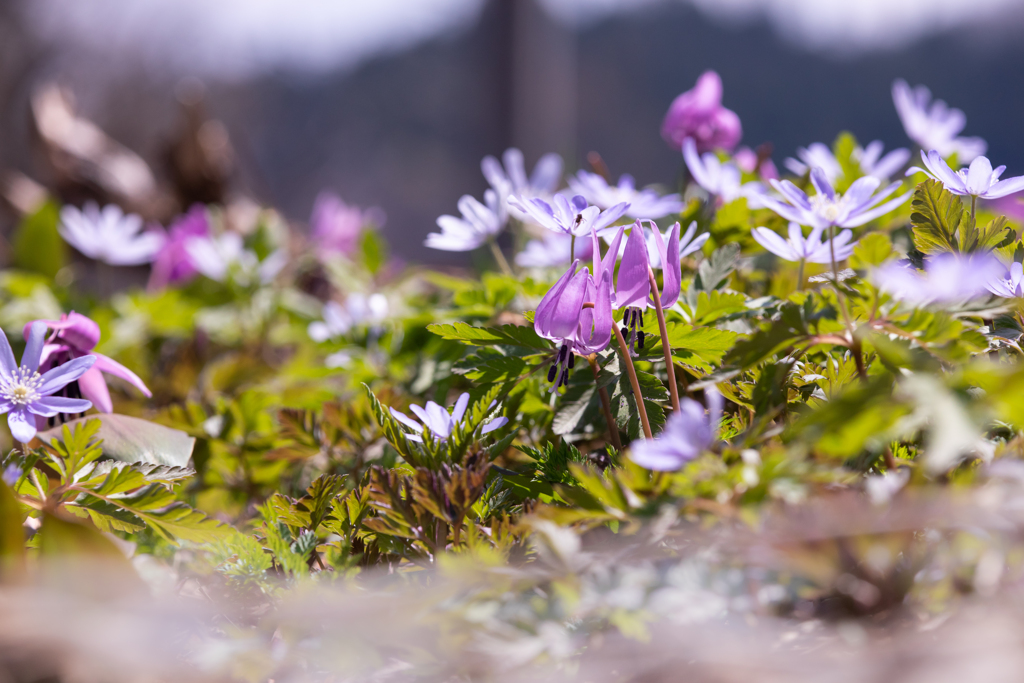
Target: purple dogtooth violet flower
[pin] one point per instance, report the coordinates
(633, 286)
(479, 223)
(75, 336)
(978, 180)
(643, 204)
(109, 235)
(688, 432)
(173, 264)
(947, 279)
(335, 226)
(935, 127)
(870, 160)
(811, 249)
(25, 394)
(1010, 285)
(720, 179)
(568, 216)
(576, 313)
(859, 205)
(439, 421)
(699, 114)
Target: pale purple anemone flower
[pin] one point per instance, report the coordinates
(226, 257)
(75, 336)
(568, 216)
(172, 264)
(870, 160)
(720, 179)
(335, 226)
(340, 319)
(978, 180)
(511, 179)
(576, 313)
(109, 235)
(935, 127)
(643, 204)
(25, 393)
(688, 433)
(810, 249)
(633, 285)
(1011, 286)
(552, 250)
(829, 208)
(479, 224)
(439, 421)
(699, 114)
(947, 278)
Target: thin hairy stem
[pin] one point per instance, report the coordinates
(572, 248)
(800, 276)
(634, 382)
(500, 258)
(665, 346)
(606, 405)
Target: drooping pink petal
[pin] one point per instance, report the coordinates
(112, 367)
(94, 388)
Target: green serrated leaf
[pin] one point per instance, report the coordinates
(514, 335)
(936, 216)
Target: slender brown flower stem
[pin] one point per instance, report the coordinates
(800, 277)
(634, 382)
(500, 258)
(665, 346)
(974, 205)
(606, 405)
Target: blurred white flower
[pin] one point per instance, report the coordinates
(225, 255)
(339, 319)
(109, 235)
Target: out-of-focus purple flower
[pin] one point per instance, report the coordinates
(479, 223)
(858, 206)
(339, 319)
(978, 180)
(576, 313)
(25, 393)
(172, 264)
(1010, 206)
(699, 114)
(688, 432)
(1011, 285)
(225, 256)
(719, 179)
(870, 160)
(750, 161)
(439, 421)
(109, 235)
(873, 163)
(633, 285)
(12, 473)
(812, 249)
(643, 204)
(336, 226)
(947, 278)
(815, 155)
(510, 178)
(552, 250)
(568, 216)
(935, 127)
(75, 336)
